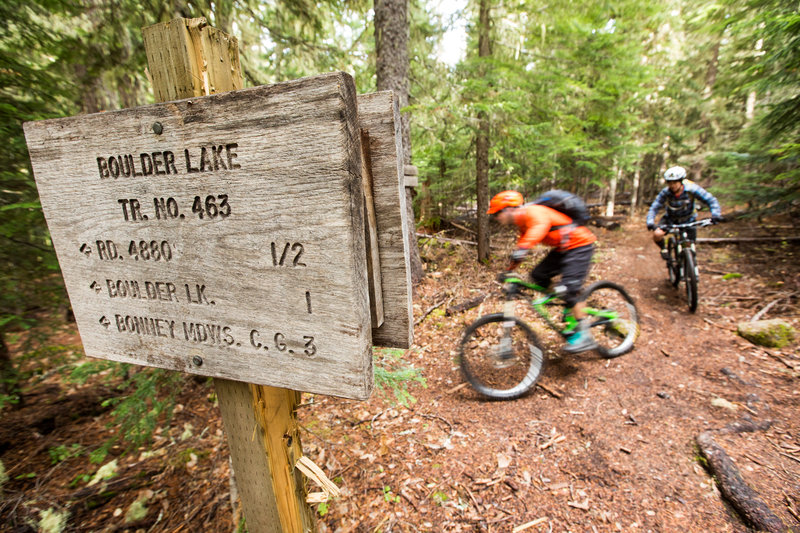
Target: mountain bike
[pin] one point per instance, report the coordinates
(501, 354)
(681, 257)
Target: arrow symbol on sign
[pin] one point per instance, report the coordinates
(85, 248)
(95, 286)
(104, 321)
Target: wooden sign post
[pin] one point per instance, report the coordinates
(228, 236)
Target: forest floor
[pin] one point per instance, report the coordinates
(603, 445)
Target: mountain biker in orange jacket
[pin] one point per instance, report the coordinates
(571, 255)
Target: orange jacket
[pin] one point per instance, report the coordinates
(535, 223)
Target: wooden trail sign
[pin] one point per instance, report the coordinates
(220, 235)
(379, 117)
(258, 196)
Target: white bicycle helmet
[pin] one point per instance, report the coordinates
(675, 174)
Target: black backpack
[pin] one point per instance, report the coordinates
(570, 204)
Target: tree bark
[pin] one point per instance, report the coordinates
(635, 193)
(391, 66)
(612, 190)
(482, 143)
(706, 128)
(744, 499)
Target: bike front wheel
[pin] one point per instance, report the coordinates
(673, 263)
(501, 357)
(613, 319)
(690, 277)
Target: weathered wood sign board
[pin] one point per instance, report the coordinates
(222, 235)
(379, 116)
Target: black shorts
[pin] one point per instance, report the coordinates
(573, 265)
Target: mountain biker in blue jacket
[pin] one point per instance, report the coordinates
(677, 199)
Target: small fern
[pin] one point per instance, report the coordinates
(136, 415)
(392, 374)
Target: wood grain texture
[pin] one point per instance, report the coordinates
(246, 440)
(284, 162)
(187, 57)
(273, 493)
(258, 421)
(379, 116)
(371, 237)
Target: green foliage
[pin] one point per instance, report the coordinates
(3, 476)
(63, 452)
(135, 416)
(759, 164)
(389, 497)
(8, 399)
(109, 370)
(440, 497)
(562, 91)
(392, 373)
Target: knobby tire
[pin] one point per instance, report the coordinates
(673, 263)
(690, 277)
(613, 318)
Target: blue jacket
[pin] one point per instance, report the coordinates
(680, 209)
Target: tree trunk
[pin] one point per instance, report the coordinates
(482, 144)
(391, 65)
(635, 193)
(612, 190)
(750, 106)
(706, 129)
(664, 160)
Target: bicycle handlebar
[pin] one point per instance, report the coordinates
(695, 224)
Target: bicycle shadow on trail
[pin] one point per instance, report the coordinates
(665, 294)
(563, 366)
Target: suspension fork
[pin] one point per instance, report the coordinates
(509, 310)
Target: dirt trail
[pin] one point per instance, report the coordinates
(609, 448)
(615, 452)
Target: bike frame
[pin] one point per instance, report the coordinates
(682, 258)
(681, 236)
(512, 290)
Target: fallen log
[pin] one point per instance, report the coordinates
(454, 241)
(469, 304)
(744, 500)
(431, 309)
(735, 240)
(609, 223)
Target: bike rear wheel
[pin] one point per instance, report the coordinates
(613, 318)
(501, 357)
(690, 277)
(673, 263)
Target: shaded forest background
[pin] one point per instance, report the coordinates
(591, 96)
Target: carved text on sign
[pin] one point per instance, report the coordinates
(231, 234)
